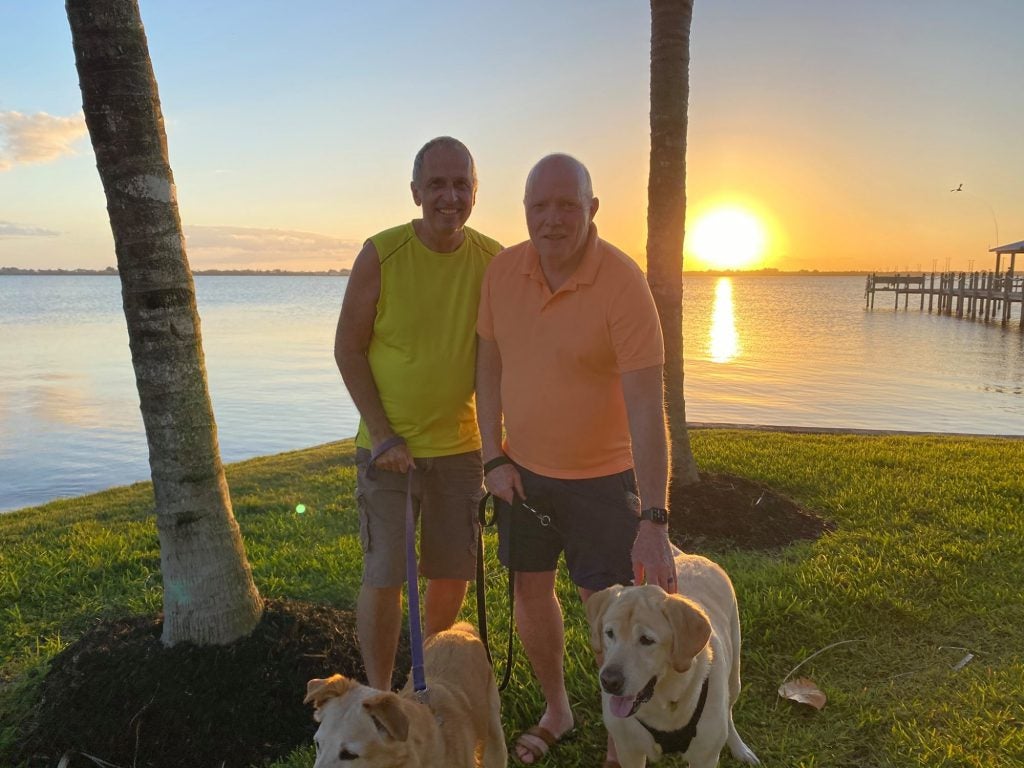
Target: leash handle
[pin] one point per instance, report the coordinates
(481, 591)
(380, 450)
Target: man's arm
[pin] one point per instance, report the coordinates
(351, 343)
(502, 481)
(645, 407)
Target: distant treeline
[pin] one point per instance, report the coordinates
(768, 272)
(771, 271)
(223, 272)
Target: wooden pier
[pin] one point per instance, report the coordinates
(990, 296)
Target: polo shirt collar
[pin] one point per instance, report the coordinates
(586, 270)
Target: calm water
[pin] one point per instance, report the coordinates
(793, 351)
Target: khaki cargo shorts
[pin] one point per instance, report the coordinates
(446, 491)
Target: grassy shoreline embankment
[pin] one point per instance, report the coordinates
(925, 567)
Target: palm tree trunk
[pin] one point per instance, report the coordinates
(666, 208)
(209, 593)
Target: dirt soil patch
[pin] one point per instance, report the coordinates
(727, 511)
(119, 695)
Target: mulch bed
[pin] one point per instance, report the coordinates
(119, 695)
(727, 511)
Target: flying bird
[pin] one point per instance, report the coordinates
(960, 188)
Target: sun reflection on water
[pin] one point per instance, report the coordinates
(724, 342)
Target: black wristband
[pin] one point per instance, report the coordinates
(656, 515)
(496, 462)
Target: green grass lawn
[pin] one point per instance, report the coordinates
(927, 565)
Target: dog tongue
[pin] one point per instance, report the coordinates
(621, 706)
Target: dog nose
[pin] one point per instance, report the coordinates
(612, 680)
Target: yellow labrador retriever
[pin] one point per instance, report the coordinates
(671, 666)
(458, 727)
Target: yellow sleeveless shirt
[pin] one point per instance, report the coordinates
(423, 349)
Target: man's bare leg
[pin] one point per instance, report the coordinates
(542, 632)
(443, 601)
(378, 621)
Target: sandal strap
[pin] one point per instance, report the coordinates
(538, 733)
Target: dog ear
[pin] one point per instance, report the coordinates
(595, 607)
(691, 630)
(318, 691)
(388, 716)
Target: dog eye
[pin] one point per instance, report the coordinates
(609, 633)
(645, 640)
(346, 755)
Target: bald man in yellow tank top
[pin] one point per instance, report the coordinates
(406, 347)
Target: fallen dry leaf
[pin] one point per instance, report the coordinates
(963, 662)
(804, 691)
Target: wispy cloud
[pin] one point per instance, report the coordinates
(246, 247)
(12, 229)
(38, 138)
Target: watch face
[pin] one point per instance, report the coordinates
(655, 515)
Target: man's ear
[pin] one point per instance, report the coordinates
(594, 205)
(691, 630)
(595, 607)
(415, 193)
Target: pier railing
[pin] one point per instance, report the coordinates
(988, 296)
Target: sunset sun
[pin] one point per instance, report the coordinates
(728, 237)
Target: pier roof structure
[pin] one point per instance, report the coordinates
(1012, 249)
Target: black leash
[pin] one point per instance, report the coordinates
(481, 607)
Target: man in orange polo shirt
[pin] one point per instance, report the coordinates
(569, 359)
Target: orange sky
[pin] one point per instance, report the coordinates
(842, 127)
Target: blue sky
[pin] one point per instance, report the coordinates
(292, 126)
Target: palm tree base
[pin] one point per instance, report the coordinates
(119, 694)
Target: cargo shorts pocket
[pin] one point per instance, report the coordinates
(364, 521)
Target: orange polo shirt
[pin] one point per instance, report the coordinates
(563, 354)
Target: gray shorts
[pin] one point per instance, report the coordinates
(446, 491)
(594, 521)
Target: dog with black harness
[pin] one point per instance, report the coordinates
(671, 666)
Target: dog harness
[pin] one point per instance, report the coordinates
(679, 740)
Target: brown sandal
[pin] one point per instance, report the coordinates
(537, 733)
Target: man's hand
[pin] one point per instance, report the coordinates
(652, 557)
(503, 482)
(395, 459)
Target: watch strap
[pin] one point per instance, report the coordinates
(496, 462)
(655, 515)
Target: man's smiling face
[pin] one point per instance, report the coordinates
(558, 210)
(446, 189)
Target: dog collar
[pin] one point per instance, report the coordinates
(679, 740)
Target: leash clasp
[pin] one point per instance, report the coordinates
(543, 519)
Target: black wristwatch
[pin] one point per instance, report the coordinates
(655, 515)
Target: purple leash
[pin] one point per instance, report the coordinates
(419, 682)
